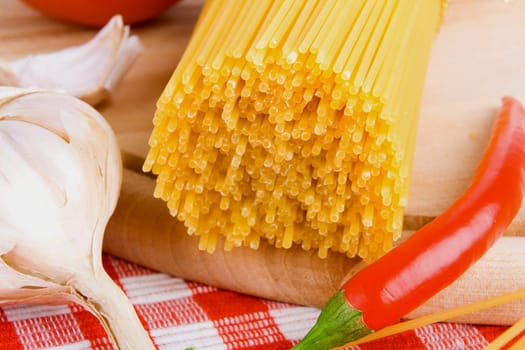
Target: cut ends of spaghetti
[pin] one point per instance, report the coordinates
(294, 122)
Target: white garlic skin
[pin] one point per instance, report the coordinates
(60, 178)
(60, 175)
(90, 71)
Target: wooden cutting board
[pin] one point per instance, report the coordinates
(478, 56)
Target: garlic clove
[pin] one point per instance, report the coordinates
(90, 71)
(17, 287)
(60, 175)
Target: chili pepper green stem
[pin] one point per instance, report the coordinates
(338, 324)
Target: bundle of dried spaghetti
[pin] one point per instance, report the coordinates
(294, 122)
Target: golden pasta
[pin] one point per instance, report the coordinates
(295, 122)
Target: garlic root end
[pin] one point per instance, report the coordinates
(104, 298)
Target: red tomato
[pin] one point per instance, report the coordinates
(96, 13)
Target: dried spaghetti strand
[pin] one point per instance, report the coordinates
(507, 336)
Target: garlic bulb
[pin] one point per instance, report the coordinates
(60, 176)
(90, 71)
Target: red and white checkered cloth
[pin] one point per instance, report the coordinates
(187, 315)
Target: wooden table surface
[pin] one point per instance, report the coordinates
(478, 56)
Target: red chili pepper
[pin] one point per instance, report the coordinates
(436, 255)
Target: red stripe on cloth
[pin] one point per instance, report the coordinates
(491, 332)
(231, 304)
(514, 340)
(90, 327)
(9, 337)
(451, 336)
(171, 313)
(401, 341)
(243, 322)
(49, 331)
